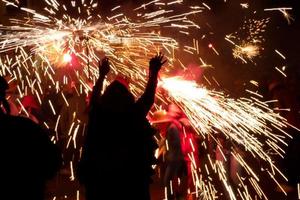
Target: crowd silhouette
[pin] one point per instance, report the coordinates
(28, 157)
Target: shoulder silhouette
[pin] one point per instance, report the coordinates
(28, 156)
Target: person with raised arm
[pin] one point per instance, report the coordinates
(118, 152)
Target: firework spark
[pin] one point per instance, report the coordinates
(245, 122)
(247, 51)
(284, 11)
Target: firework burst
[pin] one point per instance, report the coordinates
(248, 40)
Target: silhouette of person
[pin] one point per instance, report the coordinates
(181, 150)
(28, 157)
(118, 153)
(5, 108)
(13, 95)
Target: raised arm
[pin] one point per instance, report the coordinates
(104, 68)
(146, 101)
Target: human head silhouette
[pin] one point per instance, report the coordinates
(123, 80)
(3, 87)
(117, 97)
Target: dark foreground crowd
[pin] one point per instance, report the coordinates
(118, 152)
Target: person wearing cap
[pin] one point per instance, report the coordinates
(118, 152)
(177, 135)
(170, 129)
(28, 157)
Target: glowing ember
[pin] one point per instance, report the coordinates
(67, 58)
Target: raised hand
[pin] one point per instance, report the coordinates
(104, 67)
(156, 63)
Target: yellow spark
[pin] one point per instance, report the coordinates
(65, 100)
(72, 177)
(281, 71)
(280, 54)
(46, 125)
(284, 12)
(206, 6)
(77, 195)
(51, 106)
(71, 128)
(57, 122)
(244, 5)
(22, 108)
